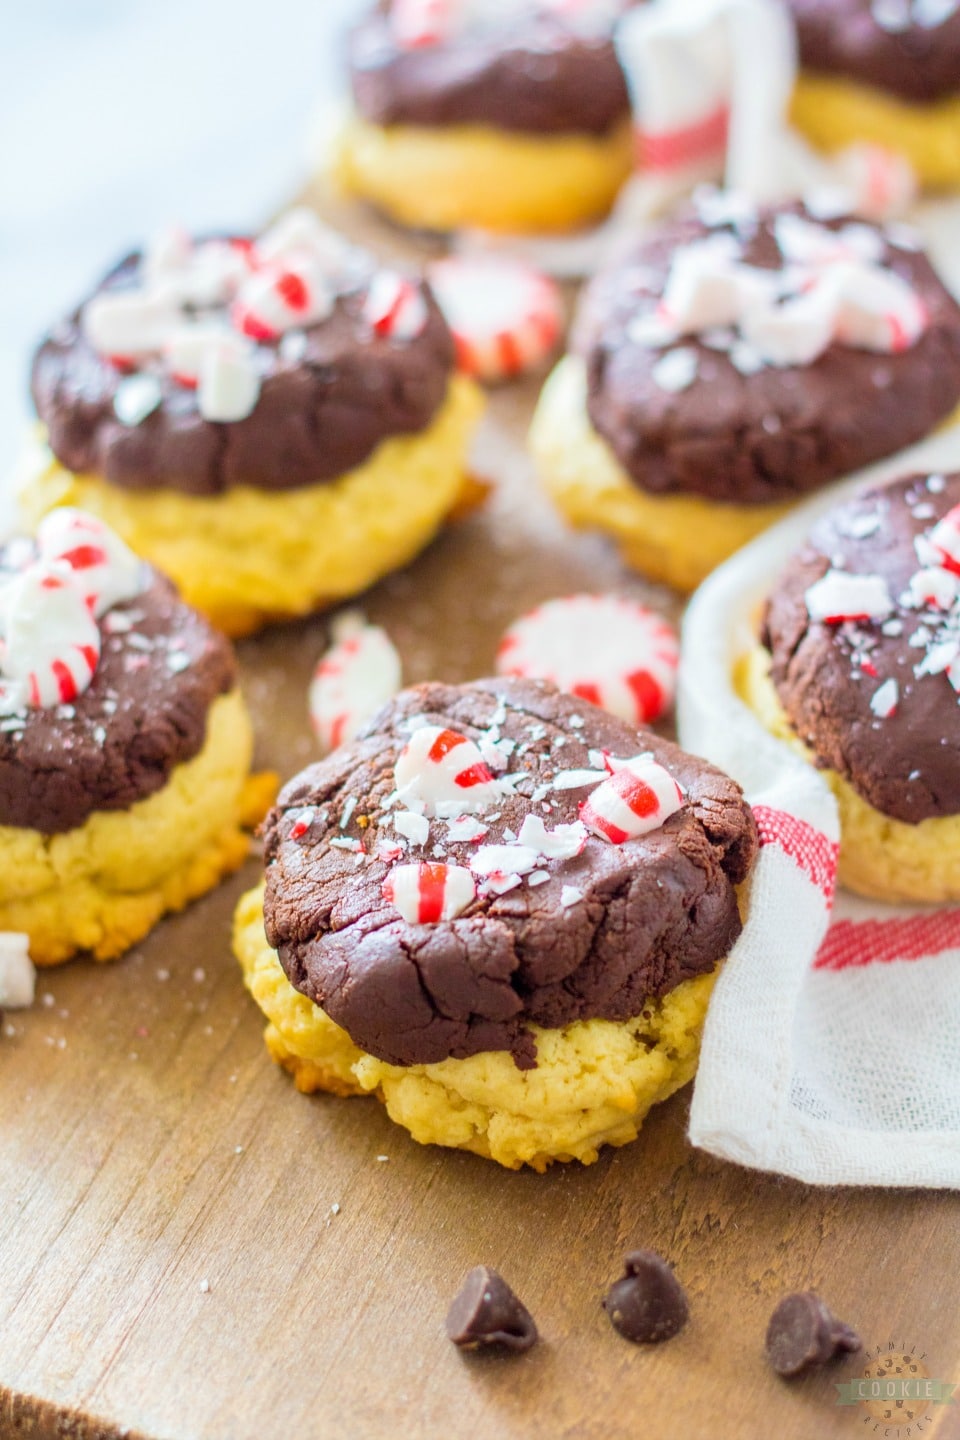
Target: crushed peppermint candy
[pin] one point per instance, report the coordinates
(839, 596)
(197, 314)
(425, 894)
(638, 797)
(607, 649)
(438, 765)
(359, 673)
(885, 699)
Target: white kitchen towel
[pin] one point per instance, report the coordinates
(832, 1046)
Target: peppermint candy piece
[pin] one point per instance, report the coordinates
(358, 674)
(885, 699)
(883, 183)
(18, 978)
(839, 596)
(417, 24)
(945, 540)
(425, 894)
(281, 296)
(128, 325)
(51, 641)
(438, 766)
(506, 317)
(228, 385)
(876, 309)
(637, 798)
(105, 569)
(608, 650)
(301, 232)
(933, 588)
(395, 308)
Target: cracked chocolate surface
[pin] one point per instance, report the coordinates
(908, 765)
(318, 415)
(769, 436)
(655, 911)
(842, 37)
(532, 75)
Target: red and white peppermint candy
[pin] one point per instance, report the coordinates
(281, 296)
(439, 766)
(51, 642)
(419, 23)
(637, 798)
(883, 182)
(804, 242)
(228, 382)
(425, 894)
(875, 309)
(707, 287)
(839, 596)
(105, 569)
(933, 588)
(506, 317)
(606, 649)
(945, 540)
(357, 675)
(395, 308)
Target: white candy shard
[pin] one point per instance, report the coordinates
(357, 675)
(637, 798)
(440, 765)
(414, 827)
(18, 977)
(676, 370)
(839, 596)
(933, 588)
(300, 231)
(129, 324)
(425, 894)
(510, 859)
(229, 386)
(136, 397)
(563, 842)
(607, 649)
(885, 699)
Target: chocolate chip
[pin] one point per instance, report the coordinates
(802, 1333)
(648, 1304)
(485, 1311)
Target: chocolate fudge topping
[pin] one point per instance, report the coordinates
(532, 74)
(774, 434)
(647, 1304)
(485, 1312)
(803, 1334)
(908, 764)
(650, 913)
(319, 413)
(848, 37)
(161, 667)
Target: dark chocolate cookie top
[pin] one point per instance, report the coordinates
(910, 48)
(588, 929)
(532, 68)
(721, 410)
(876, 698)
(277, 364)
(159, 670)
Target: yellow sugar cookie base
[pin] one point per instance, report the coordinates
(474, 176)
(593, 1085)
(101, 887)
(834, 112)
(884, 858)
(249, 556)
(676, 539)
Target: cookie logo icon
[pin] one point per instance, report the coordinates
(897, 1390)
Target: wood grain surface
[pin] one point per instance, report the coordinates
(190, 1250)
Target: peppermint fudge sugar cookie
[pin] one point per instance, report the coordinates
(734, 361)
(885, 71)
(125, 745)
(504, 115)
(275, 424)
(859, 669)
(501, 910)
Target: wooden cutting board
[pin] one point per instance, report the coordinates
(190, 1250)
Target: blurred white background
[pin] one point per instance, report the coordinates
(118, 117)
